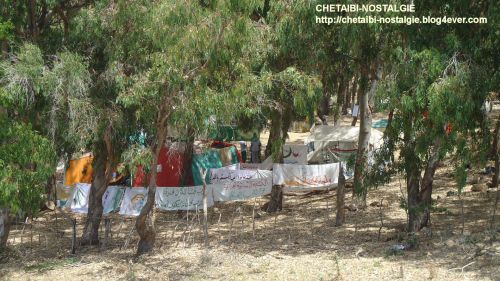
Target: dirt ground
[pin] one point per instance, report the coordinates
(299, 243)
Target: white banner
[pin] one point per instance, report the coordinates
(244, 189)
(80, 200)
(295, 154)
(133, 201)
(223, 175)
(182, 198)
(112, 198)
(306, 177)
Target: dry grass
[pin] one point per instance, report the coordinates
(300, 243)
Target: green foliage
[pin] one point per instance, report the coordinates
(53, 95)
(26, 162)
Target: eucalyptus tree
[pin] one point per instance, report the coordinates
(29, 84)
(181, 62)
(290, 85)
(437, 81)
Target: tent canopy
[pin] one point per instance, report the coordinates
(342, 140)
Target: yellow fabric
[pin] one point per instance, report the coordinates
(225, 156)
(79, 171)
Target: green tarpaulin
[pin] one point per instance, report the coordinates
(207, 160)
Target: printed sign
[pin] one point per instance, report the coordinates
(133, 201)
(182, 198)
(306, 177)
(295, 154)
(224, 175)
(244, 189)
(112, 198)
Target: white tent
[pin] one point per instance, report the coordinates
(337, 143)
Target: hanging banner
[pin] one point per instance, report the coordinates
(266, 165)
(133, 201)
(112, 198)
(244, 189)
(64, 195)
(295, 154)
(80, 200)
(223, 175)
(182, 198)
(306, 177)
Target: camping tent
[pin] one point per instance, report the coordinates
(337, 143)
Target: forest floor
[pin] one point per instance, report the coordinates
(299, 243)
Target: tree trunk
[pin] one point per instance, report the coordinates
(274, 132)
(365, 127)
(50, 191)
(145, 223)
(354, 97)
(347, 99)
(324, 104)
(363, 142)
(33, 22)
(281, 123)
(4, 227)
(425, 196)
(340, 100)
(494, 153)
(102, 175)
(340, 218)
(90, 234)
(188, 156)
(412, 187)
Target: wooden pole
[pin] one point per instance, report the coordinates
(203, 173)
(340, 218)
(73, 240)
(253, 218)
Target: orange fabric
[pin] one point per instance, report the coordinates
(79, 171)
(449, 129)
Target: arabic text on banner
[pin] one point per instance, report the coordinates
(133, 201)
(223, 175)
(244, 189)
(306, 177)
(182, 198)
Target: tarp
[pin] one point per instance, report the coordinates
(80, 200)
(266, 165)
(79, 171)
(382, 123)
(306, 177)
(337, 143)
(170, 163)
(64, 194)
(133, 201)
(207, 161)
(182, 198)
(110, 200)
(228, 155)
(295, 154)
(243, 189)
